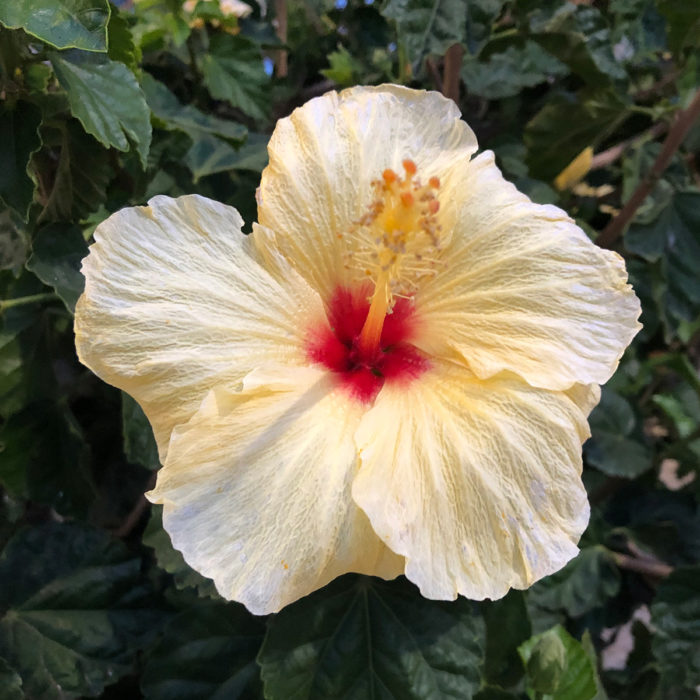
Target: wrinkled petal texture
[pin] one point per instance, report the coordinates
(324, 156)
(176, 303)
(275, 480)
(256, 491)
(523, 289)
(477, 483)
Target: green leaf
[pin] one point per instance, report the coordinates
(507, 73)
(366, 638)
(209, 155)
(37, 76)
(27, 371)
(343, 68)
(187, 118)
(580, 38)
(616, 446)
(19, 126)
(566, 125)
(121, 42)
(682, 23)
(683, 408)
(78, 608)
(587, 644)
(206, 653)
(673, 238)
(490, 692)
(585, 583)
(65, 24)
(80, 183)
(10, 682)
(555, 660)
(14, 241)
(45, 458)
(233, 71)
(139, 444)
(546, 663)
(507, 626)
(639, 30)
(427, 27)
(57, 251)
(481, 15)
(675, 617)
(172, 561)
(106, 98)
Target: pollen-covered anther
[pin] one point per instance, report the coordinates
(395, 243)
(398, 237)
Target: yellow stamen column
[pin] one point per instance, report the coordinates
(372, 329)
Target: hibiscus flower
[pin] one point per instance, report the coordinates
(390, 375)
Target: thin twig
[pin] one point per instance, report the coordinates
(650, 567)
(610, 155)
(451, 72)
(281, 20)
(434, 72)
(134, 516)
(680, 128)
(31, 299)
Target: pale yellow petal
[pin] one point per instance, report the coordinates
(256, 491)
(176, 302)
(476, 483)
(585, 396)
(324, 156)
(521, 288)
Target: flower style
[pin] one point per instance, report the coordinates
(390, 375)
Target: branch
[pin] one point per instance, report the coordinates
(134, 516)
(32, 299)
(451, 72)
(684, 121)
(281, 19)
(609, 156)
(434, 73)
(649, 567)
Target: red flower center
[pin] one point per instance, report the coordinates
(361, 371)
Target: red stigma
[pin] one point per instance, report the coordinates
(362, 374)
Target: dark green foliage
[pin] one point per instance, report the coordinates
(427, 27)
(233, 71)
(617, 445)
(44, 458)
(65, 24)
(57, 251)
(170, 560)
(102, 107)
(566, 125)
(105, 97)
(672, 240)
(73, 624)
(206, 652)
(586, 582)
(139, 443)
(20, 128)
(360, 638)
(676, 617)
(507, 626)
